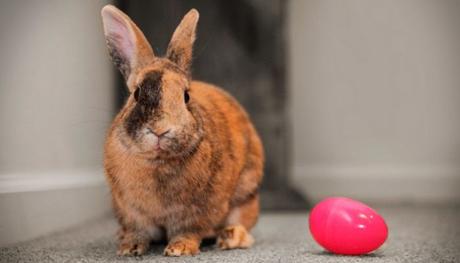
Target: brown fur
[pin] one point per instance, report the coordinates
(199, 182)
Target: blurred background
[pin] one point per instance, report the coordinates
(352, 98)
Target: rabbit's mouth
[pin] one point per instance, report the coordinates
(156, 146)
(162, 145)
(168, 147)
(156, 142)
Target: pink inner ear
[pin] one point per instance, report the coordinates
(118, 33)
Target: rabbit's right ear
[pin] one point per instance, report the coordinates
(127, 44)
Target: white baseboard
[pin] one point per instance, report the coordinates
(382, 185)
(36, 204)
(49, 180)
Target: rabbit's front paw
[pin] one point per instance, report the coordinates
(182, 247)
(235, 237)
(132, 248)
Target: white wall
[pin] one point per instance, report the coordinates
(55, 100)
(55, 105)
(375, 91)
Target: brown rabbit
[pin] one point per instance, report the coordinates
(182, 158)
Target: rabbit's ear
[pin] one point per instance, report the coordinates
(127, 44)
(181, 44)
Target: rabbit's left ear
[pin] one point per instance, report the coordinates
(181, 45)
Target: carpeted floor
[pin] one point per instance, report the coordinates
(417, 234)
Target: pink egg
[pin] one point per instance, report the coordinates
(348, 227)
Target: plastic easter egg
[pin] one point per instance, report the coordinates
(347, 227)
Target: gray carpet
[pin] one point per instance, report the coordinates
(417, 234)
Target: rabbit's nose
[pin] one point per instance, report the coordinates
(159, 132)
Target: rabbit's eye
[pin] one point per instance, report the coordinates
(136, 94)
(186, 97)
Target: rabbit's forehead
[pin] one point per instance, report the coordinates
(172, 79)
(167, 72)
(159, 79)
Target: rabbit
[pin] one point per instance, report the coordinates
(182, 158)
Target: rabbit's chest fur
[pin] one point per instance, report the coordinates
(172, 194)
